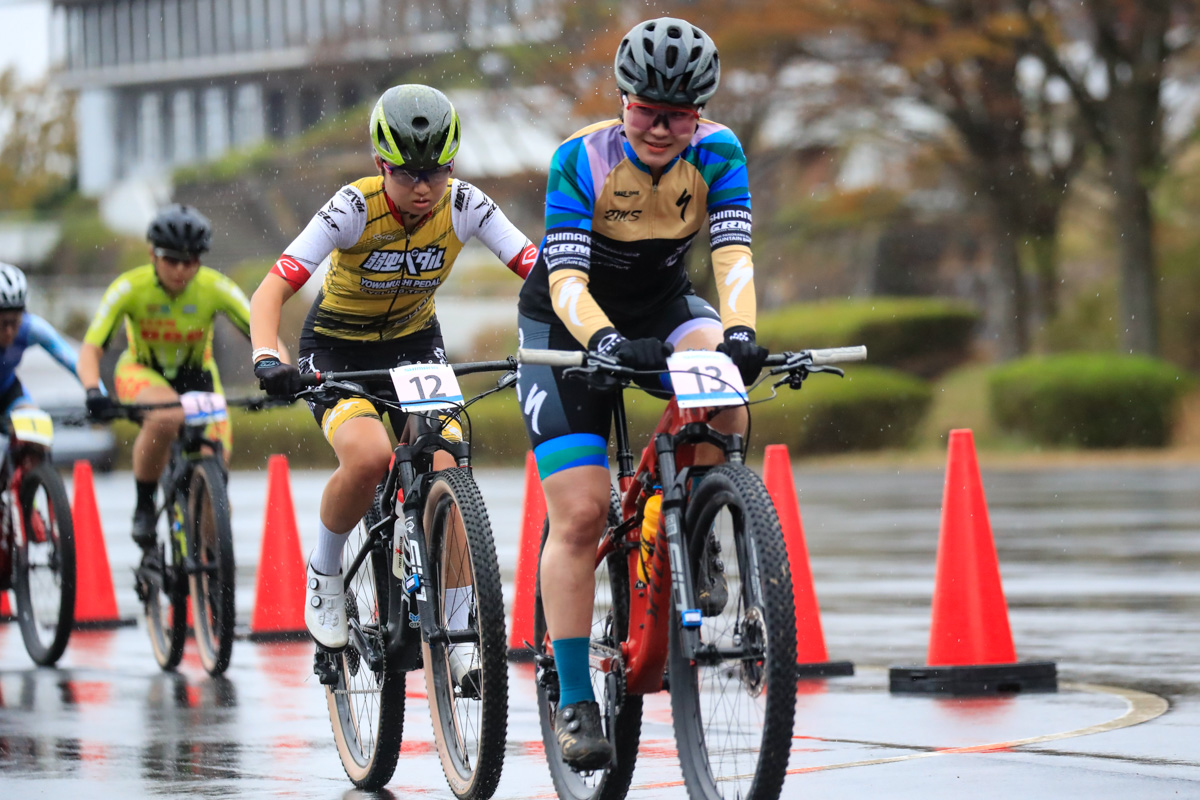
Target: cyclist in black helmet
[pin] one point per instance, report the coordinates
(624, 200)
(169, 307)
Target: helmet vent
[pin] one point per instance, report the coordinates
(420, 123)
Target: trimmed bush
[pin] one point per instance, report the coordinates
(1089, 399)
(925, 336)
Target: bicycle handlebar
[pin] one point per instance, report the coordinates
(465, 368)
(821, 357)
(577, 358)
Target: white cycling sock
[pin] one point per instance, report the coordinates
(327, 557)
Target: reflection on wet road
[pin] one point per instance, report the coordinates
(1101, 570)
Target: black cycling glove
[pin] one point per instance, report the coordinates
(99, 405)
(276, 378)
(746, 355)
(637, 354)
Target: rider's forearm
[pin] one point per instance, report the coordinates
(575, 306)
(88, 366)
(734, 270)
(266, 307)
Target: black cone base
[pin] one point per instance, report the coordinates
(982, 679)
(825, 669)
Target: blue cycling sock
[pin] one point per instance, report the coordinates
(574, 675)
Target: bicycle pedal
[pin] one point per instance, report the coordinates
(325, 667)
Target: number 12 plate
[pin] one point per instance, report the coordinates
(704, 378)
(424, 387)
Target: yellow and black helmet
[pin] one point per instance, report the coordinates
(415, 126)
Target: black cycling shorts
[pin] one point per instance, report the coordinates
(326, 354)
(568, 422)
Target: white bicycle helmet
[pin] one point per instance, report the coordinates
(13, 288)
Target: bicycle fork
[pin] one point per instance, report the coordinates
(683, 590)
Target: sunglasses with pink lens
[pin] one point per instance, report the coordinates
(411, 177)
(643, 117)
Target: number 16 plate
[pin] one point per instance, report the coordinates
(424, 387)
(703, 378)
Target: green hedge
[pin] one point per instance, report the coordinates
(1089, 399)
(924, 336)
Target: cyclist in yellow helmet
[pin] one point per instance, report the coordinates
(391, 239)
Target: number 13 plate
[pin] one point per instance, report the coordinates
(424, 387)
(704, 378)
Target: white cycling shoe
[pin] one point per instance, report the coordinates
(325, 609)
(464, 670)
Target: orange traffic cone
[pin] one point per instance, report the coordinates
(533, 518)
(812, 659)
(95, 598)
(970, 643)
(279, 595)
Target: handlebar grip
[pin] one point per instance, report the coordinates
(835, 355)
(552, 358)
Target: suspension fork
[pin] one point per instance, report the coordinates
(683, 590)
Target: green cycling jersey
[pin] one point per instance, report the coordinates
(168, 333)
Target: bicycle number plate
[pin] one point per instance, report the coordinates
(203, 408)
(32, 425)
(422, 387)
(703, 378)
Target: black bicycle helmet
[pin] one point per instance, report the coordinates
(180, 231)
(668, 60)
(13, 288)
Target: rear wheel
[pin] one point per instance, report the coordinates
(162, 585)
(734, 705)
(366, 707)
(470, 716)
(211, 566)
(621, 713)
(44, 567)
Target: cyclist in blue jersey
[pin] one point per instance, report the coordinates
(624, 201)
(20, 330)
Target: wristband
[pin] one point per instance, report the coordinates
(265, 351)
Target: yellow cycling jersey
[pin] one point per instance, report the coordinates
(168, 333)
(381, 277)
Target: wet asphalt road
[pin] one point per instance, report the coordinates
(1101, 569)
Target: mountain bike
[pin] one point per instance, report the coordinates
(730, 671)
(37, 536)
(193, 554)
(428, 532)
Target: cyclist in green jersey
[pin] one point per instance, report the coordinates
(169, 307)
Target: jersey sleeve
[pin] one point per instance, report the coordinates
(42, 333)
(474, 214)
(110, 313)
(339, 224)
(232, 301)
(567, 247)
(722, 162)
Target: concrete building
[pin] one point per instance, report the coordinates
(164, 83)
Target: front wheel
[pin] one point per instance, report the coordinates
(733, 706)
(44, 567)
(211, 566)
(466, 681)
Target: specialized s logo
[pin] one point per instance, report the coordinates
(741, 274)
(568, 298)
(682, 203)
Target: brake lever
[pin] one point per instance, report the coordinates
(796, 375)
(506, 380)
